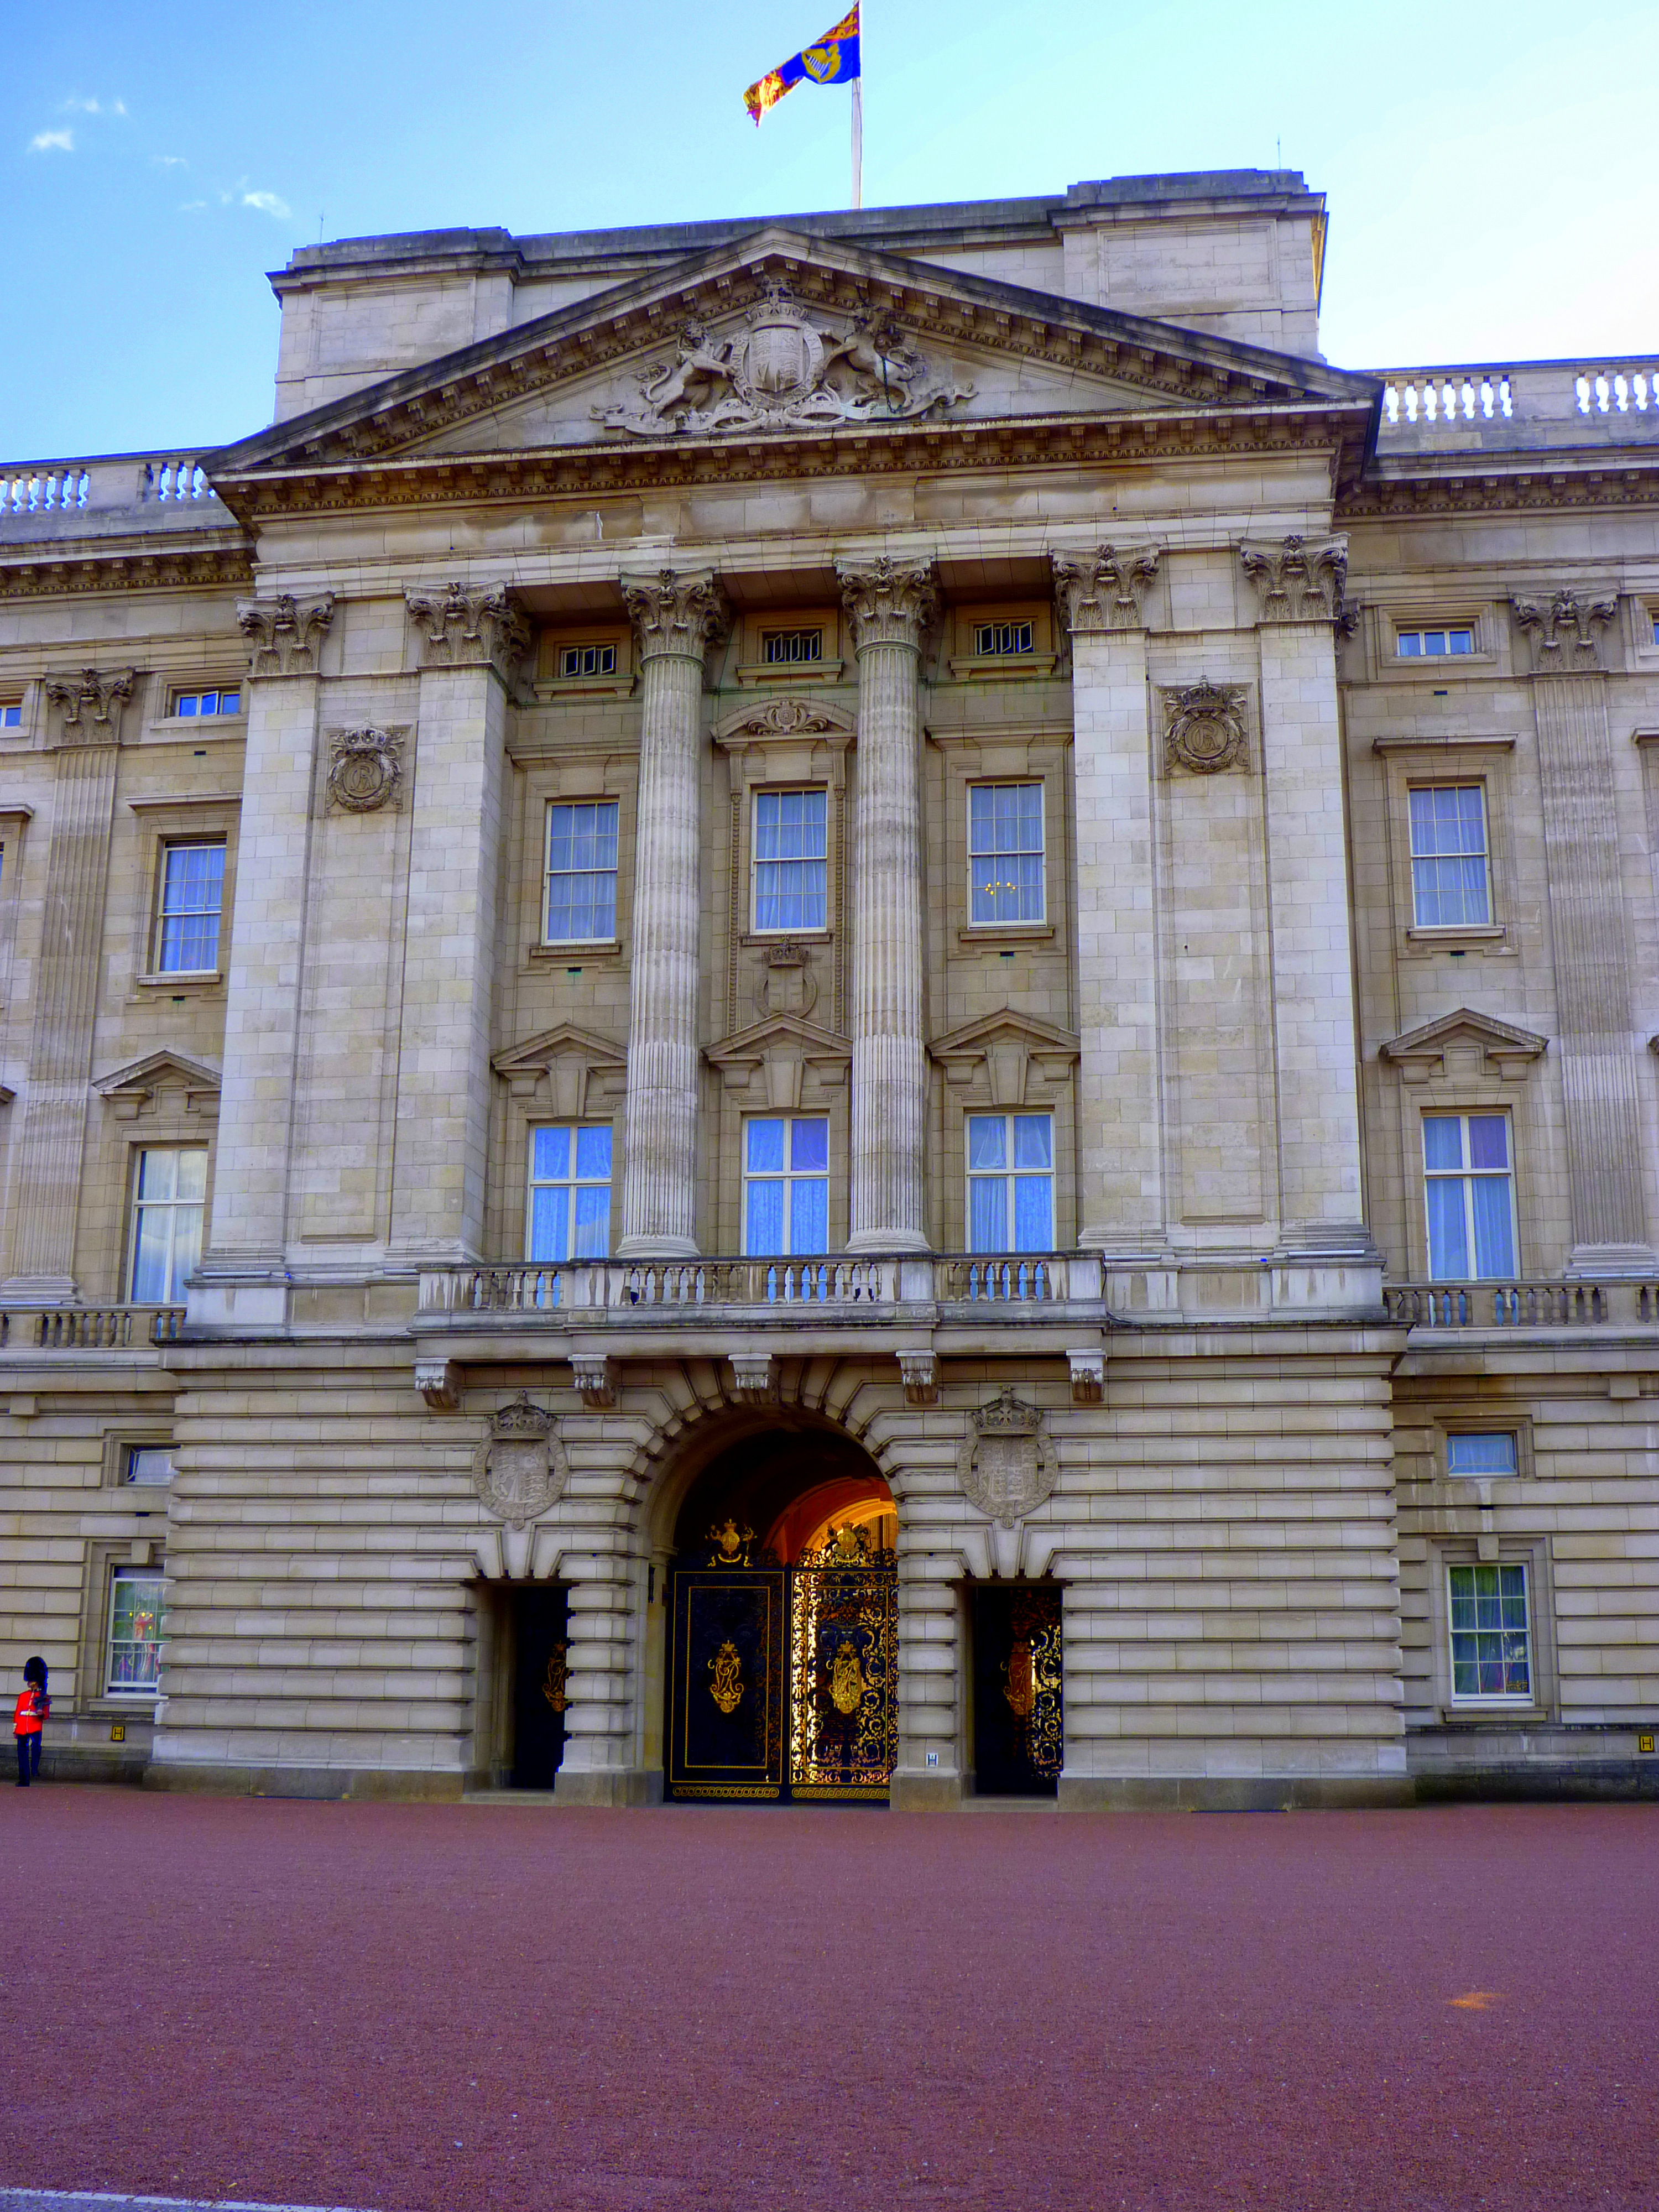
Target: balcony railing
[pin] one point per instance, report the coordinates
(88, 1328)
(843, 1285)
(55, 498)
(1522, 1305)
(1520, 404)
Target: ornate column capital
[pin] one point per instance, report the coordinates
(1565, 631)
(676, 613)
(1298, 581)
(888, 602)
(284, 634)
(469, 626)
(89, 705)
(1104, 590)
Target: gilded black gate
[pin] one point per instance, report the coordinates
(1018, 1716)
(783, 1680)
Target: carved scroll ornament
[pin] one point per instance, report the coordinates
(681, 611)
(888, 602)
(90, 705)
(1204, 728)
(1297, 581)
(1565, 631)
(1105, 590)
(468, 626)
(284, 634)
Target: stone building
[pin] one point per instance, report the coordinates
(851, 1006)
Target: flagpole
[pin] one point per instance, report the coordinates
(858, 141)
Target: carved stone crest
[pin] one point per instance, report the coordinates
(519, 1469)
(781, 370)
(366, 770)
(1007, 1467)
(1204, 728)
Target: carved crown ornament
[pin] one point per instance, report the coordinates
(284, 633)
(1297, 581)
(1204, 728)
(469, 626)
(89, 705)
(1007, 1465)
(519, 1468)
(782, 369)
(1565, 631)
(366, 770)
(1105, 590)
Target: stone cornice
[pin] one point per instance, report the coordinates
(42, 574)
(1544, 483)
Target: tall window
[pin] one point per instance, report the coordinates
(582, 873)
(137, 1614)
(1469, 1185)
(166, 1222)
(792, 860)
(569, 1208)
(187, 921)
(1451, 885)
(786, 1185)
(1490, 1631)
(1011, 1183)
(1004, 851)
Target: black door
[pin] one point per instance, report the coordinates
(540, 1623)
(725, 1732)
(1017, 1689)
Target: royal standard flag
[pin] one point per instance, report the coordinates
(834, 60)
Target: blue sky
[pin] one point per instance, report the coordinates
(1489, 170)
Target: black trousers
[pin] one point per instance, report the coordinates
(28, 1756)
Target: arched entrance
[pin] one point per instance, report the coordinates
(782, 1606)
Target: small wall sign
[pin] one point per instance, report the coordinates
(118, 1731)
(932, 1756)
(1645, 1746)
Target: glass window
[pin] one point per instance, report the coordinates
(792, 860)
(786, 647)
(993, 638)
(1469, 1189)
(12, 713)
(582, 873)
(187, 925)
(1435, 644)
(1005, 852)
(166, 1222)
(189, 703)
(1482, 1452)
(138, 1616)
(148, 1463)
(587, 660)
(1451, 885)
(1491, 1633)
(786, 1185)
(570, 1209)
(1011, 1183)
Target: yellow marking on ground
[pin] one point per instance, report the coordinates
(1474, 2001)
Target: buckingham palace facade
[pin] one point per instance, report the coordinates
(859, 1008)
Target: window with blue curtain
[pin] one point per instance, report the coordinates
(168, 1196)
(1011, 1183)
(569, 1204)
(1005, 852)
(792, 860)
(786, 1185)
(1469, 1193)
(1451, 886)
(582, 873)
(1481, 1452)
(192, 895)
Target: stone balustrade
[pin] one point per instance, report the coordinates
(43, 498)
(88, 1328)
(1621, 1304)
(1520, 404)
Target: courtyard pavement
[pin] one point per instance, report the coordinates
(445, 2008)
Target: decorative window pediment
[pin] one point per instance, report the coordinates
(1506, 1051)
(568, 1067)
(1000, 1050)
(782, 1051)
(135, 1089)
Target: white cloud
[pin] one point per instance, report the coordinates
(189, 207)
(168, 161)
(52, 142)
(78, 106)
(268, 204)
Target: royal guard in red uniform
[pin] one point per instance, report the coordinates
(34, 1709)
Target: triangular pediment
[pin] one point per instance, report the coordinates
(997, 1053)
(783, 335)
(1507, 1050)
(974, 1039)
(570, 1069)
(785, 1032)
(540, 1051)
(131, 1089)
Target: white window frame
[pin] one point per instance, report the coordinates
(168, 847)
(550, 874)
(117, 1576)
(759, 794)
(596, 648)
(1476, 784)
(175, 1208)
(1468, 1175)
(572, 1183)
(1444, 630)
(1008, 1175)
(787, 1177)
(1017, 648)
(132, 1454)
(1525, 1700)
(1010, 783)
(196, 712)
(1509, 1473)
(802, 659)
(12, 713)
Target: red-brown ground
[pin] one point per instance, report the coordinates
(449, 2008)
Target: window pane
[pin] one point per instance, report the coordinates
(808, 1151)
(592, 1238)
(549, 1223)
(1033, 1141)
(149, 1463)
(1443, 1141)
(987, 1214)
(1449, 1258)
(550, 1154)
(987, 1141)
(187, 1249)
(766, 1147)
(764, 1217)
(135, 1639)
(192, 1174)
(1034, 1210)
(594, 1154)
(1489, 1140)
(1494, 1236)
(809, 1216)
(581, 871)
(1486, 1452)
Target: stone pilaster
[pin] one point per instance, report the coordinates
(889, 604)
(468, 641)
(86, 713)
(929, 1683)
(1300, 587)
(676, 616)
(600, 1763)
(1598, 1044)
(249, 1224)
(1122, 1208)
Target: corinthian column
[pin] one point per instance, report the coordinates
(889, 603)
(677, 617)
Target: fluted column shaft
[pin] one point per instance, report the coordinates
(675, 618)
(889, 603)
